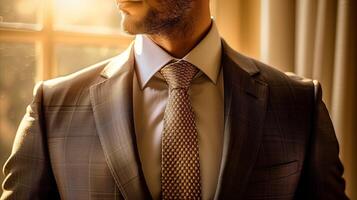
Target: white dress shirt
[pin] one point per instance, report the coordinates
(150, 95)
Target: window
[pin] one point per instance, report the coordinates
(42, 39)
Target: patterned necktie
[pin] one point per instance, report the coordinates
(180, 166)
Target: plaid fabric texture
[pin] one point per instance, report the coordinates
(77, 139)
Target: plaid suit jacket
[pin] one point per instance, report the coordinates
(77, 139)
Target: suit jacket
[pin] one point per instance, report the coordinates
(77, 138)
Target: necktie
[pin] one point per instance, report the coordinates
(180, 170)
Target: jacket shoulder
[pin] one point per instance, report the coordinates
(69, 90)
(276, 77)
(287, 85)
(282, 84)
(264, 72)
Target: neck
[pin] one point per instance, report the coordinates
(179, 41)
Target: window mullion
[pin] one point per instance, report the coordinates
(90, 38)
(46, 50)
(16, 35)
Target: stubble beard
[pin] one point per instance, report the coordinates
(171, 20)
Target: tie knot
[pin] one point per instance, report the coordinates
(179, 74)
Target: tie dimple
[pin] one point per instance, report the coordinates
(180, 166)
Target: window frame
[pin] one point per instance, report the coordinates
(45, 36)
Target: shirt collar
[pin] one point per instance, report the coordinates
(150, 58)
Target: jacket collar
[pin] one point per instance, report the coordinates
(121, 63)
(240, 61)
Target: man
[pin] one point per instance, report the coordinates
(179, 115)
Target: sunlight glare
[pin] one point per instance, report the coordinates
(69, 10)
(26, 7)
(97, 13)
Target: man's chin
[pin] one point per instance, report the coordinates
(130, 26)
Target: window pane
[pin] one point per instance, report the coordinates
(17, 75)
(70, 58)
(20, 11)
(100, 14)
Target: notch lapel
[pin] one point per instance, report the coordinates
(113, 113)
(245, 108)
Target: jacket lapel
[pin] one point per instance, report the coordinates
(112, 107)
(245, 107)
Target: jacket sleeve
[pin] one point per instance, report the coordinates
(323, 169)
(28, 173)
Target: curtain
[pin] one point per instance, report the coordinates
(313, 38)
